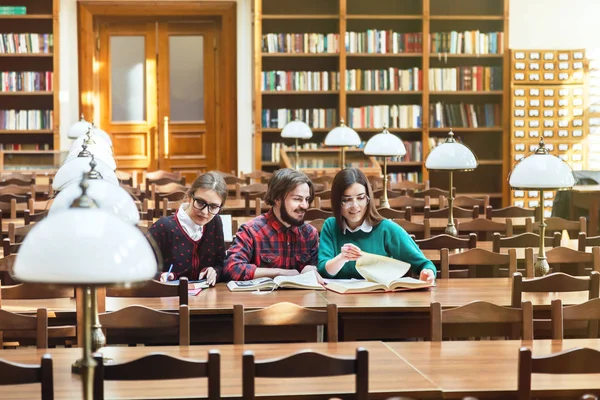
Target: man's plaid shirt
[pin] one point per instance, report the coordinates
(266, 243)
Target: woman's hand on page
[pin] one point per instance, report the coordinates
(427, 275)
(308, 268)
(210, 274)
(166, 276)
(350, 252)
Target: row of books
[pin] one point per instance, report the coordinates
(301, 43)
(405, 176)
(25, 81)
(414, 152)
(299, 80)
(314, 117)
(468, 42)
(26, 119)
(271, 152)
(24, 43)
(378, 116)
(13, 10)
(393, 79)
(375, 41)
(472, 78)
(24, 146)
(464, 115)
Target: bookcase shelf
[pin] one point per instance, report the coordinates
(295, 92)
(20, 55)
(26, 131)
(412, 23)
(21, 93)
(38, 16)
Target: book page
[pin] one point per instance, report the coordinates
(380, 269)
(356, 286)
(409, 283)
(307, 280)
(251, 284)
(201, 284)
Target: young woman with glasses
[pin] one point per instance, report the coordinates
(191, 241)
(357, 226)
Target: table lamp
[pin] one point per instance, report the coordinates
(99, 154)
(298, 130)
(79, 128)
(342, 136)
(87, 247)
(451, 156)
(385, 145)
(92, 141)
(71, 171)
(541, 171)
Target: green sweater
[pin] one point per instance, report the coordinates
(386, 239)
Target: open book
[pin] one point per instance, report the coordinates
(192, 285)
(381, 274)
(301, 281)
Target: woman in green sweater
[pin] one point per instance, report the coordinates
(357, 226)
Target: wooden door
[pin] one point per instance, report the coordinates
(157, 91)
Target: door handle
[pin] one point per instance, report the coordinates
(166, 136)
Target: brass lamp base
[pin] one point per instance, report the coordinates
(76, 366)
(541, 266)
(384, 204)
(451, 230)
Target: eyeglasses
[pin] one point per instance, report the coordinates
(200, 205)
(361, 200)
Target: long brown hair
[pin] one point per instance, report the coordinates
(342, 181)
(284, 181)
(212, 181)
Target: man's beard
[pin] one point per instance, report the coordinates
(286, 217)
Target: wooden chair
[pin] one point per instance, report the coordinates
(252, 192)
(408, 186)
(584, 241)
(573, 361)
(471, 260)
(431, 192)
(17, 323)
(522, 240)
(588, 311)
(407, 201)
(257, 177)
(423, 230)
(556, 282)
(306, 364)
(485, 228)
(509, 212)
(126, 178)
(391, 213)
(317, 223)
(317, 213)
(166, 204)
(556, 224)
(490, 319)
(161, 178)
(136, 317)
(30, 217)
(445, 241)
(13, 204)
(457, 212)
(153, 288)
(281, 314)
(17, 178)
(466, 202)
(20, 374)
(573, 262)
(158, 366)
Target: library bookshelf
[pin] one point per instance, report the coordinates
(360, 47)
(29, 115)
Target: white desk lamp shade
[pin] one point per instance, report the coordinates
(296, 129)
(110, 197)
(342, 136)
(98, 153)
(541, 171)
(73, 169)
(102, 134)
(99, 142)
(79, 128)
(83, 246)
(385, 145)
(451, 156)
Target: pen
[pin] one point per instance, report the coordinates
(169, 272)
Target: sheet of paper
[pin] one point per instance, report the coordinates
(381, 269)
(227, 233)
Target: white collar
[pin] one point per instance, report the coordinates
(193, 230)
(365, 227)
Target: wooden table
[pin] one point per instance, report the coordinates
(588, 198)
(389, 375)
(487, 369)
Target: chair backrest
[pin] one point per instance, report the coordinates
(431, 192)
(408, 186)
(407, 201)
(557, 224)
(474, 258)
(19, 374)
(30, 291)
(9, 248)
(556, 282)
(485, 227)
(317, 223)
(125, 178)
(583, 241)
(162, 177)
(423, 229)
(461, 320)
(257, 176)
(526, 239)
(509, 212)
(391, 213)
(153, 288)
(282, 314)
(574, 361)
(158, 366)
(306, 364)
(16, 322)
(136, 317)
(467, 202)
(30, 217)
(573, 262)
(445, 241)
(457, 212)
(587, 311)
(317, 213)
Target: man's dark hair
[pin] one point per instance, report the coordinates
(284, 181)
